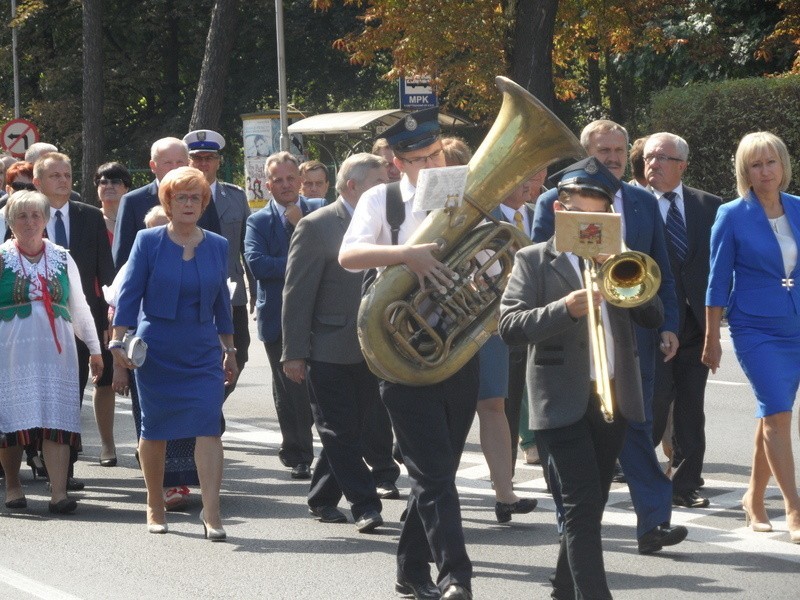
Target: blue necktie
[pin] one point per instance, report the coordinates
(676, 228)
(61, 231)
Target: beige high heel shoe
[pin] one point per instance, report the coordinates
(215, 535)
(757, 526)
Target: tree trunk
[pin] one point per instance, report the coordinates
(171, 49)
(593, 70)
(532, 53)
(214, 72)
(92, 97)
(615, 102)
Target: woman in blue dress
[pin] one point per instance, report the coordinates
(177, 273)
(754, 267)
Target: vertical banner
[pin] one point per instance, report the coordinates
(261, 133)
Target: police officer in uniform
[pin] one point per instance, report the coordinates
(431, 422)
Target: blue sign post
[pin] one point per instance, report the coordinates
(417, 93)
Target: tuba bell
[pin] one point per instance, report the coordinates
(419, 336)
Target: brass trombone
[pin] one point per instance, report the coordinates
(628, 279)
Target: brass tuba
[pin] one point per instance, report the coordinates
(421, 336)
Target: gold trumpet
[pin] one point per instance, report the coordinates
(627, 280)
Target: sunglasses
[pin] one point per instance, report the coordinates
(18, 186)
(112, 181)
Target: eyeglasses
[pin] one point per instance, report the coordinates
(18, 186)
(660, 158)
(421, 160)
(187, 198)
(113, 181)
(204, 157)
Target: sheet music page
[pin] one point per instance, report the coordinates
(440, 187)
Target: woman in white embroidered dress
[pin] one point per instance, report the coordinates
(42, 308)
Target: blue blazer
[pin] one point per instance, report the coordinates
(133, 207)
(266, 248)
(150, 279)
(746, 263)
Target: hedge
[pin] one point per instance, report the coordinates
(713, 117)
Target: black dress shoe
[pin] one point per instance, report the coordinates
(661, 536)
(17, 503)
(74, 485)
(387, 490)
(522, 506)
(328, 514)
(301, 471)
(690, 499)
(619, 476)
(369, 521)
(63, 507)
(456, 592)
(420, 591)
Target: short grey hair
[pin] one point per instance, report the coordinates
(681, 147)
(157, 212)
(280, 157)
(601, 126)
(168, 142)
(356, 168)
(35, 151)
(27, 200)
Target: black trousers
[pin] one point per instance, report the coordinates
(241, 341)
(379, 444)
(294, 411)
(431, 424)
(681, 383)
(581, 460)
(342, 397)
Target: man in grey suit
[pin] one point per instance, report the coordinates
(230, 202)
(688, 214)
(545, 306)
(320, 310)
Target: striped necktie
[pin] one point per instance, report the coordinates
(676, 227)
(519, 221)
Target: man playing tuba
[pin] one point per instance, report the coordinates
(431, 422)
(545, 305)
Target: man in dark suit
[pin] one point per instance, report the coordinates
(643, 231)
(320, 340)
(266, 248)
(545, 306)
(165, 154)
(230, 203)
(688, 214)
(82, 229)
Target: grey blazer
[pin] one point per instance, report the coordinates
(320, 298)
(233, 210)
(534, 311)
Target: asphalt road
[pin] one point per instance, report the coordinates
(276, 551)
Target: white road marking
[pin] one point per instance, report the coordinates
(32, 587)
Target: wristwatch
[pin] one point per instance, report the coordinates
(229, 350)
(116, 344)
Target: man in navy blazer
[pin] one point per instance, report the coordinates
(681, 383)
(266, 249)
(165, 154)
(643, 231)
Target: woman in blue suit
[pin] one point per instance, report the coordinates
(754, 267)
(178, 274)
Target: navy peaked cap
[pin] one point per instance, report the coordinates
(587, 174)
(414, 131)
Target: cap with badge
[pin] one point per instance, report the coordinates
(204, 140)
(587, 174)
(414, 131)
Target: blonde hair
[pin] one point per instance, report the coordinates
(181, 179)
(154, 215)
(754, 144)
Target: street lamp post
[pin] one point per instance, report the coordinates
(284, 113)
(14, 59)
